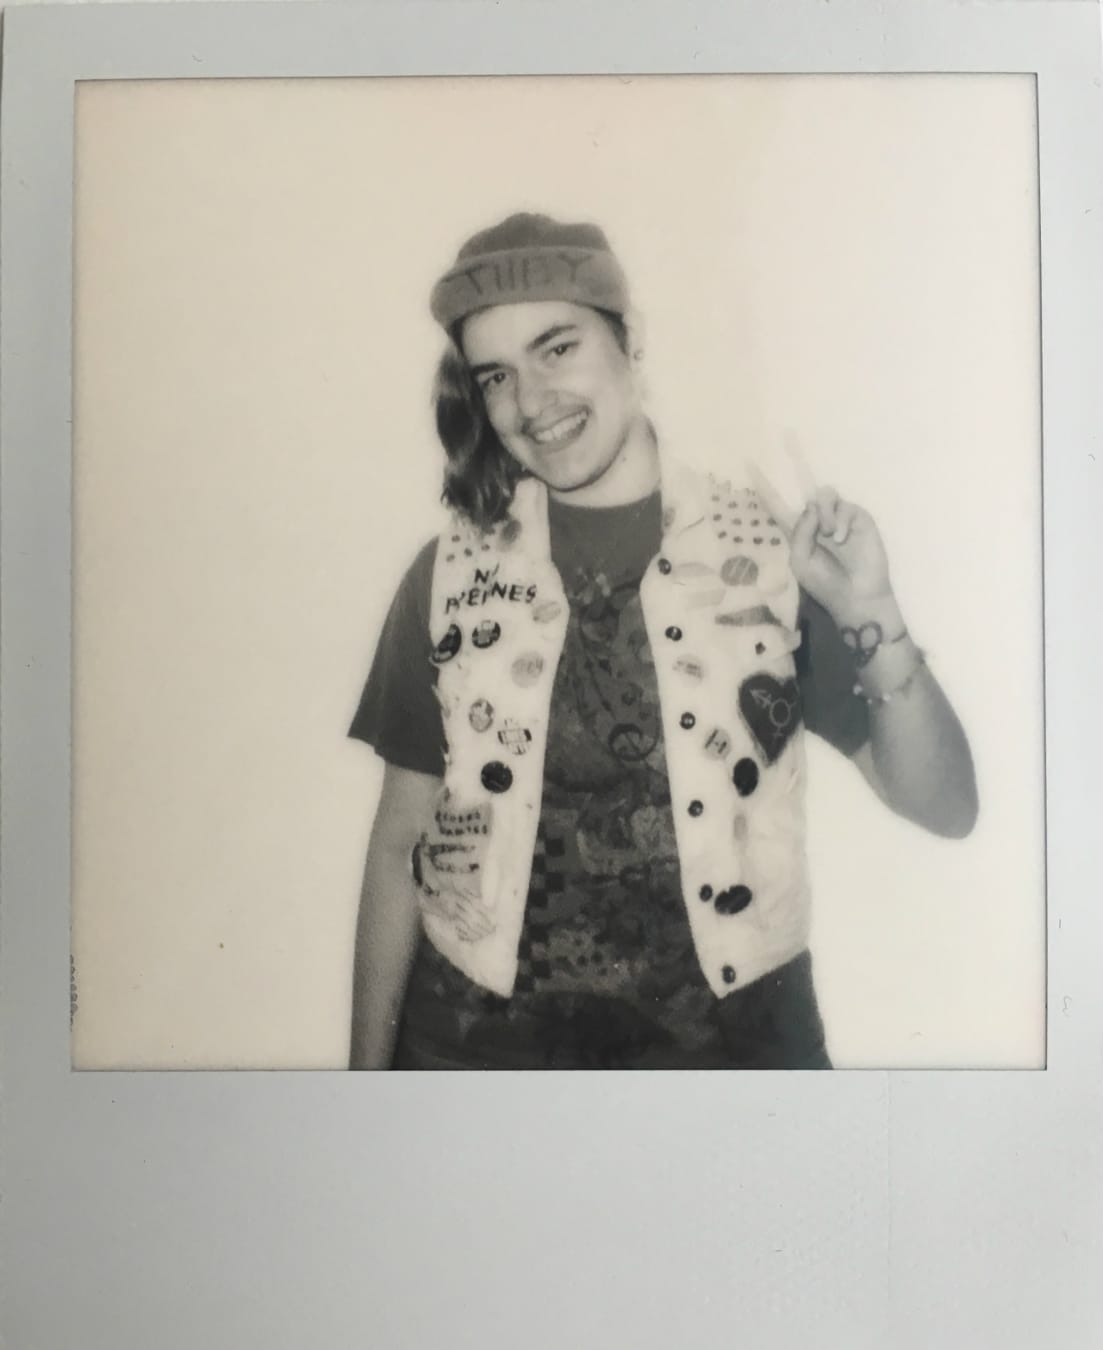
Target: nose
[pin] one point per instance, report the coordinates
(531, 392)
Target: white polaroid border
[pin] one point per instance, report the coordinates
(860, 1209)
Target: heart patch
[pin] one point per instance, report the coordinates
(771, 710)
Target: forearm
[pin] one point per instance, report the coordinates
(386, 942)
(919, 750)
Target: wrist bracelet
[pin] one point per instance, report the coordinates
(865, 640)
(900, 688)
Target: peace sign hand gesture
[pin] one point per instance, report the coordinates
(835, 550)
(838, 556)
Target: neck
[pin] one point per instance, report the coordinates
(633, 474)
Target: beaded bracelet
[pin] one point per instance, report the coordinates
(900, 688)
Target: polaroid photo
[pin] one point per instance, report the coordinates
(536, 540)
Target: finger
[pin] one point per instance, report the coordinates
(805, 477)
(785, 515)
(803, 539)
(826, 502)
(846, 517)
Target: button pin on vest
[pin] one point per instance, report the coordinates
(734, 900)
(705, 892)
(486, 633)
(448, 646)
(745, 777)
(687, 721)
(481, 714)
(696, 808)
(674, 633)
(664, 566)
(496, 777)
(728, 974)
(527, 668)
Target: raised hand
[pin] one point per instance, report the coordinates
(838, 556)
(836, 551)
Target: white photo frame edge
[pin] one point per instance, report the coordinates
(876, 1208)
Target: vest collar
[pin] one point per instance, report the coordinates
(684, 502)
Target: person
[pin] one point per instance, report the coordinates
(590, 695)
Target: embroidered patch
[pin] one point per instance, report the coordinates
(486, 634)
(691, 571)
(771, 709)
(481, 714)
(526, 670)
(451, 859)
(448, 646)
(743, 618)
(739, 571)
(632, 743)
(447, 866)
(458, 824)
(690, 666)
(463, 912)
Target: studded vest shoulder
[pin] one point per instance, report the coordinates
(720, 606)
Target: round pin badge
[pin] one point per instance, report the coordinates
(481, 714)
(527, 668)
(745, 777)
(448, 646)
(734, 900)
(717, 743)
(496, 776)
(486, 634)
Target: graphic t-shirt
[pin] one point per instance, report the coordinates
(608, 975)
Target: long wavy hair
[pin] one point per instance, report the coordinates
(480, 475)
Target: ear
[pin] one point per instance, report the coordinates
(634, 326)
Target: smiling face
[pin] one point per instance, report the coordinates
(562, 397)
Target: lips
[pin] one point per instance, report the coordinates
(562, 431)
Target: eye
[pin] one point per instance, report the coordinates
(561, 349)
(491, 381)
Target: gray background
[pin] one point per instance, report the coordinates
(863, 1209)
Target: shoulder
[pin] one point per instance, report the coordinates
(416, 585)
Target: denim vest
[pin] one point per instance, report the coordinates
(720, 606)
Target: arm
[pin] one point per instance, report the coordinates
(388, 923)
(917, 758)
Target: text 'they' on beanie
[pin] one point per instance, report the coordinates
(530, 257)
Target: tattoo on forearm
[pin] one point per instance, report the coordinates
(866, 640)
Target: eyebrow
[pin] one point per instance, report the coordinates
(557, 330)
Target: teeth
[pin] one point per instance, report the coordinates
(560, 431)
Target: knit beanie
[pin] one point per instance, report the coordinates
(530, 257)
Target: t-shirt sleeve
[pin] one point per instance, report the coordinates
(825, 673)
(399, 716)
